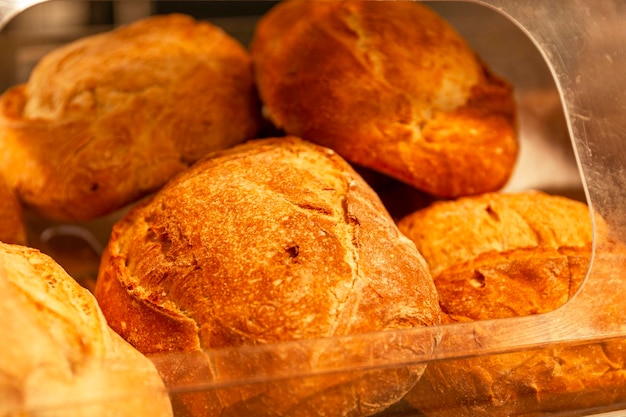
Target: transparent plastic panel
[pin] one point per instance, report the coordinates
(567, 62)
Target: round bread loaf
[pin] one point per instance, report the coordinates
(499, 254)
(12, 227)
(109, 118)
(508, 255)
(58, 356)
(274, 240)
(389, 86)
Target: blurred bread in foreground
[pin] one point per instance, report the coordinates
(270, 241)
(109, 118)
(59, 357)
(390, 86)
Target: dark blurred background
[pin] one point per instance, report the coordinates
(42, 27)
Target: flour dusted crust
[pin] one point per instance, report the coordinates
(390, 86)
(109, 118)
(270, 241)
(509, 255)
(59, 357)
(12, 227)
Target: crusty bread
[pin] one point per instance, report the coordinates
(452, 232)
(12, 227)
(536, 382)
(109, 118)
(59, 357)
(390, 86)
(269, 241)
(499, 254)
(508, 255)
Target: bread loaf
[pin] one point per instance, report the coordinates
(498, 255)
(390, 86)
(12, 227)
(111, 117)
(509, 255)
(271, 241)
(59, 357)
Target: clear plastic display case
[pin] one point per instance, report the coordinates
(567, 63)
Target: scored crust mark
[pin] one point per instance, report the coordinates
(352, 257)
(146, 287)
(537, 234)
(162, 238)
(324, 211)
(337, 189)
(478, 280)
(370, 57)
(492, 213)
(293, 250)
(412, 116)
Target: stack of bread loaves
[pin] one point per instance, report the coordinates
(100, 123)
(281, 240)
(243, 242)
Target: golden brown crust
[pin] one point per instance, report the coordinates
(58, 352)
(273, 240)
(111, 117)
(536, 382)
(452, 232)
(390, 86)
(501, 255)
(510, 255)
(511, 284)
(12, 227)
